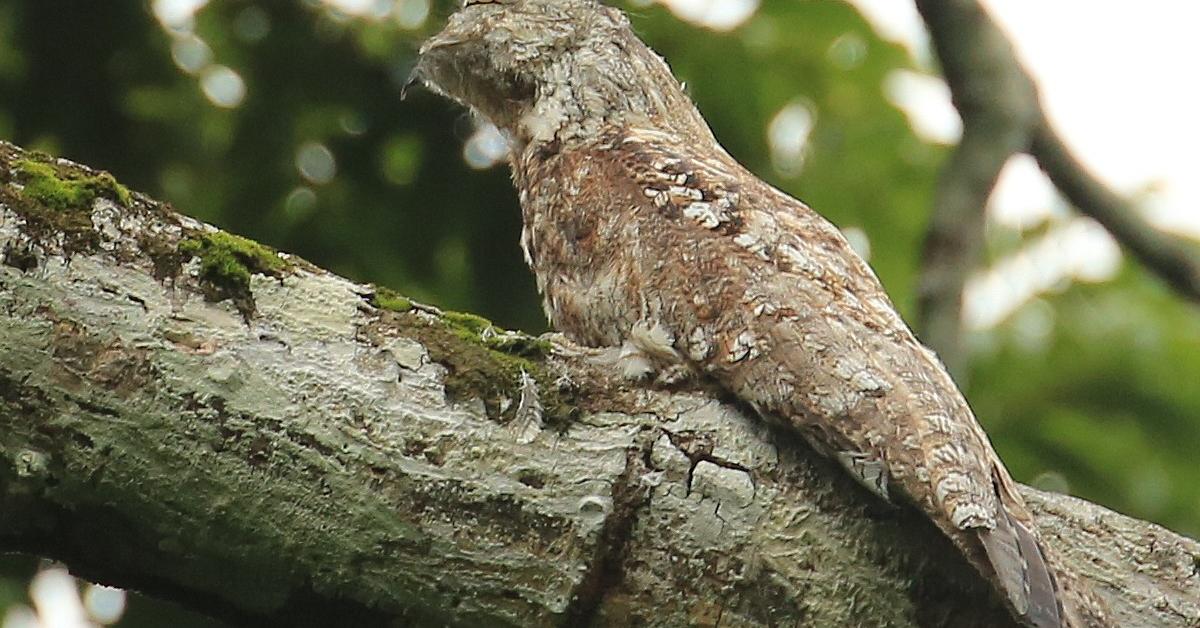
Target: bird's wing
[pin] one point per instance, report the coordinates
(892, 399)
(804, 332)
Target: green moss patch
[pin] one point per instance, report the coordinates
(469, 327)
(472, 325)
(55, 199)
(475, 328)
(388, 299)
(484, 362)
(519, 344)
(62, 190)
(227, 262)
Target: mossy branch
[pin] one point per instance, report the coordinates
(340, 455)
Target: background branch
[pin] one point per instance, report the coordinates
(996, 101)
(189, 414)
(1002, 116)
(1171, 258)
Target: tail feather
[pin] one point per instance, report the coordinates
(1022, 573)
(1004, 553)
(1044, 601)
(1016, 556)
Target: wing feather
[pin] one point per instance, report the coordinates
(804, 332)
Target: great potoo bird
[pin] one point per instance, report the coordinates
(647, 236)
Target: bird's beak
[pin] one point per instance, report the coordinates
(415, 77)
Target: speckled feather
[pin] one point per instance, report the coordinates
(644, 233)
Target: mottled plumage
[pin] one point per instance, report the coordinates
(645, 234)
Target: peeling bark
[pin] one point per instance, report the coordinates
(324, 460)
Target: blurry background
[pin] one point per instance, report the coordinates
(282, 121)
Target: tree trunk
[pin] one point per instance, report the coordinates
(190, 414)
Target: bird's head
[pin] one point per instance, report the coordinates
(539, 68)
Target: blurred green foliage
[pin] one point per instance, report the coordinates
(1105, 397)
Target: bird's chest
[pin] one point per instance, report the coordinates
(584, 243)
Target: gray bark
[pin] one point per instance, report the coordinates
(295, 454)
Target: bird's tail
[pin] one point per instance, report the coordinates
(1022, 572)
(1039, 591)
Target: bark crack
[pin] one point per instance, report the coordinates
(606, 570)
(698, 447)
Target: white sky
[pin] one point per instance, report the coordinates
(1113, 78)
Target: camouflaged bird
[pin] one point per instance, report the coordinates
(646, 235)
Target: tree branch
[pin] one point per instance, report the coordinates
(1169, 257)
(190, 414)
(996, 101)
(1002, 116)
